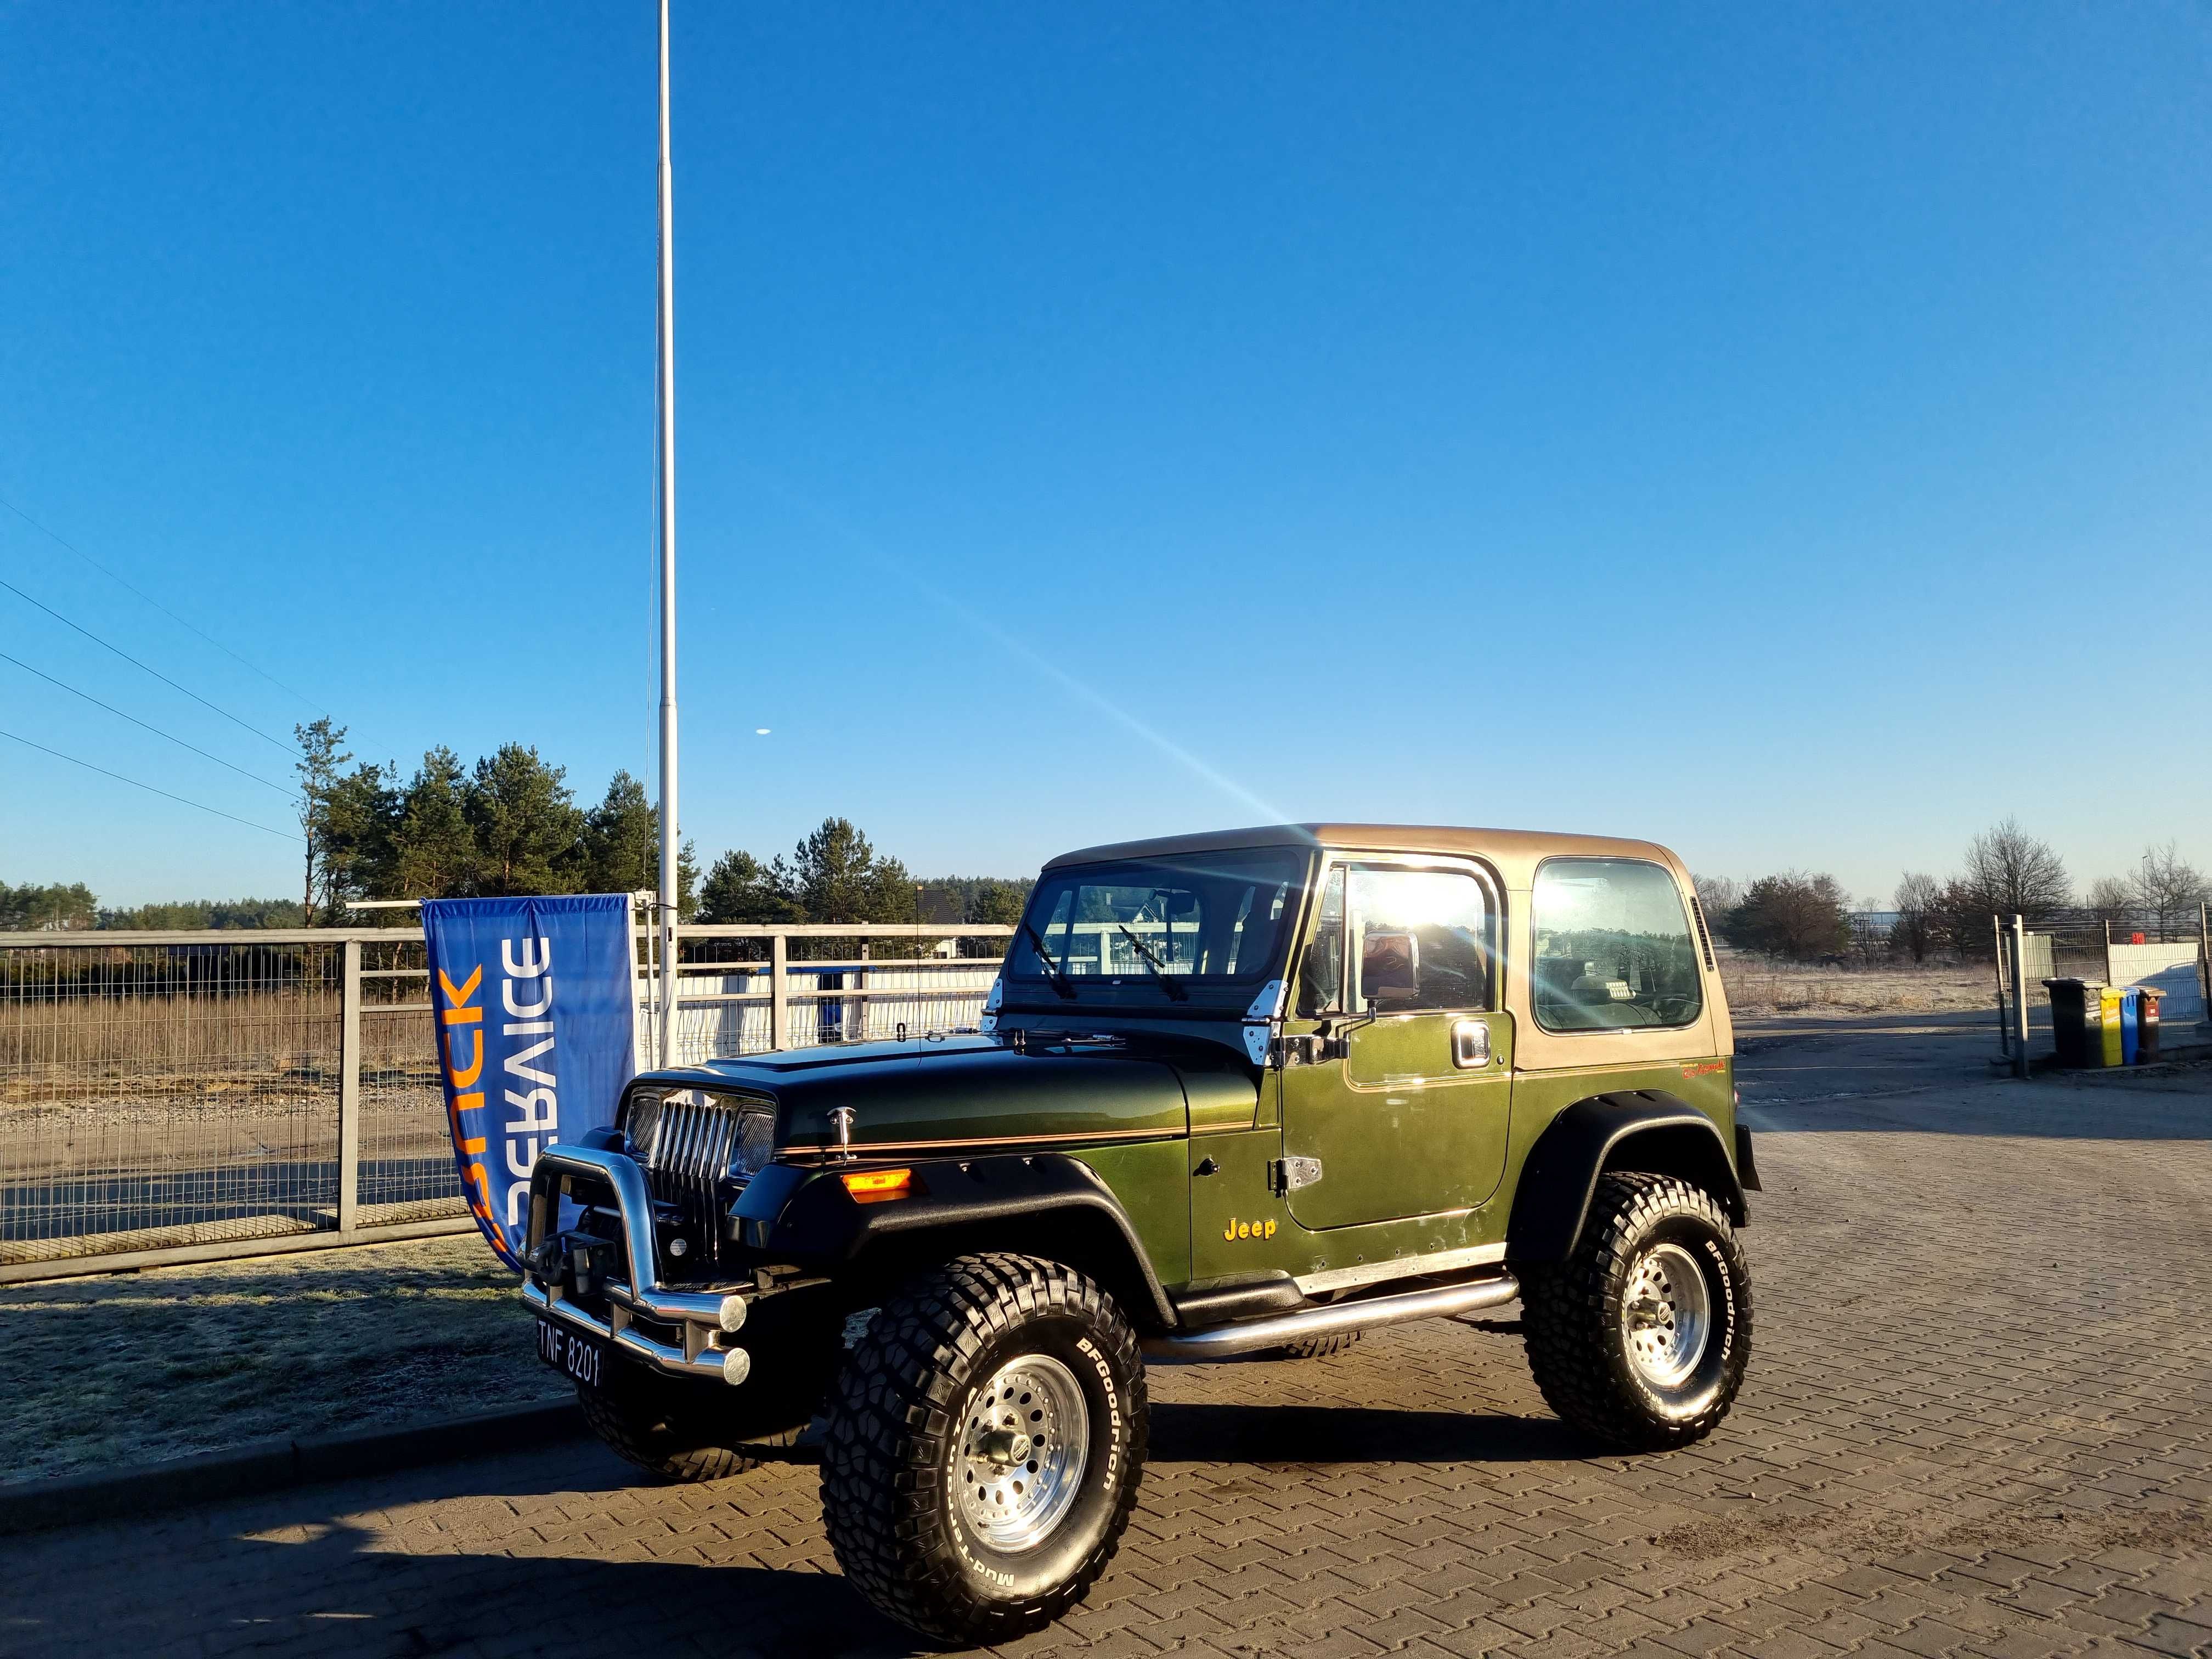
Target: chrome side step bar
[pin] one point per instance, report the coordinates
(1248, 1336)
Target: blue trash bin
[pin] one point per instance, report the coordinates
(2130, 1024)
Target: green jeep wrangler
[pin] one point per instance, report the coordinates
(1251, 1093)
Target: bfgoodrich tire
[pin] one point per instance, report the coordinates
(1640, 1338)
(985, 1442)
(662, 1426)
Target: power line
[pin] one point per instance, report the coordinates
(285, 835)
(155, 730)
(291, 748)
(159, 606)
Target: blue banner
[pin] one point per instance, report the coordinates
(534, 1000)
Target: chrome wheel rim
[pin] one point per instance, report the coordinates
(1666, 1316)
(1024, 1439)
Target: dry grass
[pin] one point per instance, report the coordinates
(140, 1367)
(1758, 986)
(247, 1033)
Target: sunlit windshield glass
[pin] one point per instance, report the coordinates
(1203, 919)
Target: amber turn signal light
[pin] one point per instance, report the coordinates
(874, 1186)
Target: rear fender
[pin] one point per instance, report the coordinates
(1645, 1130)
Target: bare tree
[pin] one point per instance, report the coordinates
(2167, 885)
(1918, 900)
(1717, 896)
(2110, 899)
(2011, 873)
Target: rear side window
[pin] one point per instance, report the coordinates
(1613, 949)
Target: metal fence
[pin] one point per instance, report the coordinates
(745, 990)
(176, 1097)
(2170, 952)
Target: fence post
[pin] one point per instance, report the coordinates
(2204, 961)
(779, 1010)
(2020, 995)
(349, 1091)
(2004, 1020)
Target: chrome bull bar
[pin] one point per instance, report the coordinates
(706, 1319)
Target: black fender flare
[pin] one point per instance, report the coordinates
(1645, 1129)
(807, 1217)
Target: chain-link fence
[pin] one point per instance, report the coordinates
(2169, 951)
(191, 1095)
(188, 1089)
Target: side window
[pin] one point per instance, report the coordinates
(1614, 948)
(1448, 914)
(1321, 976)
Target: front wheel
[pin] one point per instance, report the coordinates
(1640, 1337)
(672, 1428)
(984, 1446)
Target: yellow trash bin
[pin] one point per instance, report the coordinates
(2108, 1050)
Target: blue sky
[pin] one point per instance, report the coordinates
(1782, 432)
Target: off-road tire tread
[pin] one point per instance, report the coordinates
(1563, 1307)
(893, 1405)
(643, 1439)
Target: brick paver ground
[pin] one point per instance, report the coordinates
(1978, 1420)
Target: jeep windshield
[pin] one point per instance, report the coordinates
(1198, 933)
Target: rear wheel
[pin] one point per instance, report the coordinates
(676, 1431)
(984, 1443)
(1641, 1336)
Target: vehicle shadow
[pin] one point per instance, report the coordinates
(295, 1569)
(342, 1593)
(2167, 1101)
(1236, 1433)
(1279, 1435)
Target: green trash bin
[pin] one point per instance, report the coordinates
(2077, 1020)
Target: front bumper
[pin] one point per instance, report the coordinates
(703, 1321)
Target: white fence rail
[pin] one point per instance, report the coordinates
(191, 1096)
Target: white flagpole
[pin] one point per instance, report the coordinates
(670, 841)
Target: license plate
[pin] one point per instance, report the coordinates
(580, 1357)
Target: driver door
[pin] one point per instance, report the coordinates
(1405, 1106)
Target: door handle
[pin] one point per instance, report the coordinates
(1470, 1044)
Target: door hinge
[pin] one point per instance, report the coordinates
(1287, 1175)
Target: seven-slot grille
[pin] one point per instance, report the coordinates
(692, 1140)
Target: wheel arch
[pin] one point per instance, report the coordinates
(1645, 1130)
(1047, 1205)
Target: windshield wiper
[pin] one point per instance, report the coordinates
(1168, 982)
(1053, 976)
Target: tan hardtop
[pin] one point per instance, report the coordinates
(1514, 852)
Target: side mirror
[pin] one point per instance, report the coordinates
(1390, 967)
